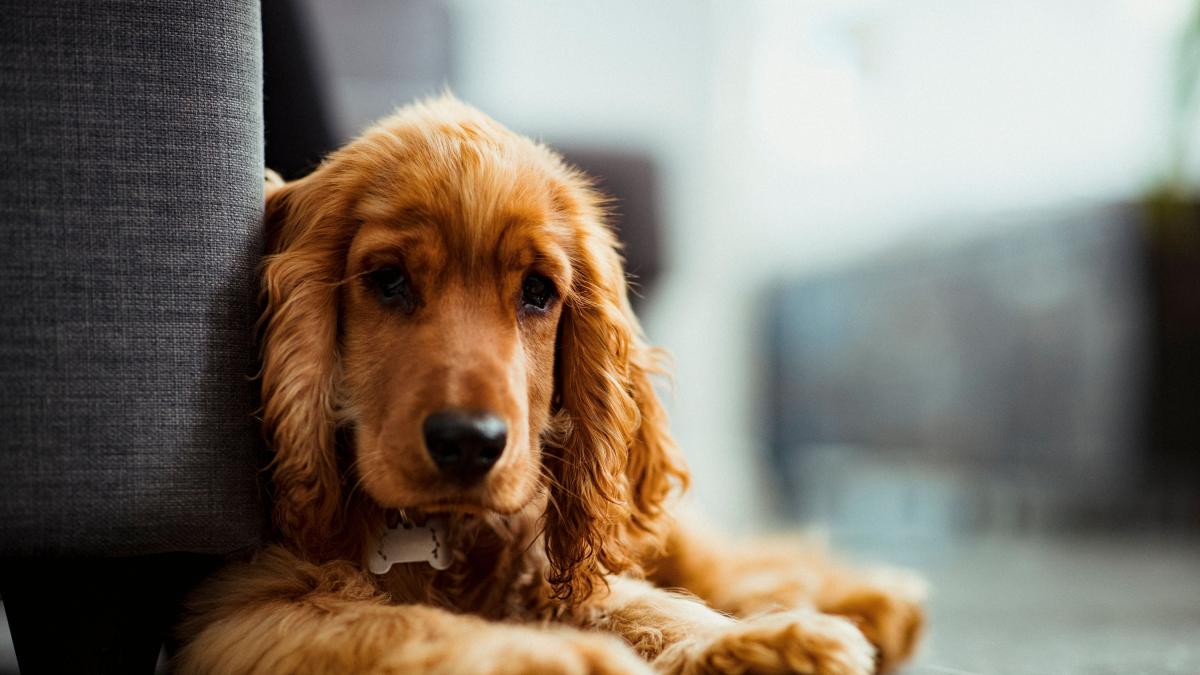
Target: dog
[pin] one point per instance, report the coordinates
(450, 361)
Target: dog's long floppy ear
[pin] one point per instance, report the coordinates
(300, 278)
(615, 464)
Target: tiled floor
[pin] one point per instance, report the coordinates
(1008, 606)
(1053, 607)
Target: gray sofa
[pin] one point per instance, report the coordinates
(129, 198)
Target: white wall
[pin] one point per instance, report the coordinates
(795, 135)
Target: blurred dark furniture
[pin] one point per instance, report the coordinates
(1034, 377)
(130, 197)
(631, 180)
(298, 127)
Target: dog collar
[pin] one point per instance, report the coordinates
(407, 543)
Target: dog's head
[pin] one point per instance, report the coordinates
(447, 292)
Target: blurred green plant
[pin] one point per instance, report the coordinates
(1171, 204)
(1186, 101)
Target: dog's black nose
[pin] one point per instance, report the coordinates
(464, 444)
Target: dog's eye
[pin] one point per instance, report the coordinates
(536, 292)
(394, 288)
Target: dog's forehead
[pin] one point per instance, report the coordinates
(475, 194)
(458, 178)
(468, 226)
(454, 204)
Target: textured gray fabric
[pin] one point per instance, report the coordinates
(130, 194)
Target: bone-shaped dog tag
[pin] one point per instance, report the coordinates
(407, 543)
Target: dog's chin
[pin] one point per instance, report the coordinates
(469, 502)
(454, 507)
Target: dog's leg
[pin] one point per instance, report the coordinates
(680, 635)
(751, 578)
(280, 615)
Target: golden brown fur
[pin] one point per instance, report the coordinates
(552, 545)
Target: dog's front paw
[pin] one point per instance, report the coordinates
(886, 605)
(567, 652)
(803, 642)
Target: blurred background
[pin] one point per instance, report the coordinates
(929, 270)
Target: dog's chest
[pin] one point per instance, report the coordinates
(497, 573)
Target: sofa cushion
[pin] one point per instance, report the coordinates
(130, 196)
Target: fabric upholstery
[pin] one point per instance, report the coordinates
(130, 195)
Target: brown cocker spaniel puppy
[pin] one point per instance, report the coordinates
(447, 338)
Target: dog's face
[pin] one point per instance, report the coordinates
(449, 320)
(446, 292)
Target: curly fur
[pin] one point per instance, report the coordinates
(574, 513)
